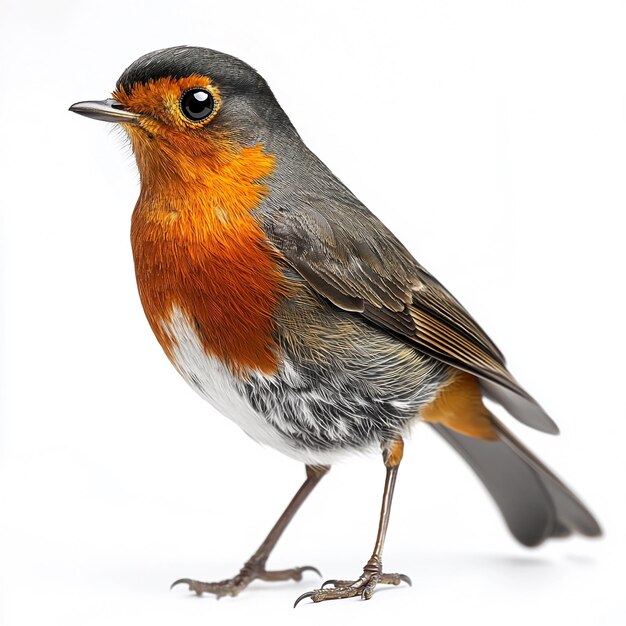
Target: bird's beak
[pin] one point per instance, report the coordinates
(106, 110)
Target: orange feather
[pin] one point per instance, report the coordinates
(459, 406)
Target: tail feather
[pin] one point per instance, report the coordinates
(535, 504)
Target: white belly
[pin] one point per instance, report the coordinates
(215, 383)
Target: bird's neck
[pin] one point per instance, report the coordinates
(173, 163)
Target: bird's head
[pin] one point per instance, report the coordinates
(186, 109)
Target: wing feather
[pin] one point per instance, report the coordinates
(348, 256)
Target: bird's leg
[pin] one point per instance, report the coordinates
(372, 572)
(254, 568)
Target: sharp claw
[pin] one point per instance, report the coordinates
(310, 568)
(406, 579)
(332, 581)
(308, 594)
(181, 581)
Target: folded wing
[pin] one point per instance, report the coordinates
(348, 256)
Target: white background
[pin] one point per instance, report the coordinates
(491, 136)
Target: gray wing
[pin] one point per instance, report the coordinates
(347, 255)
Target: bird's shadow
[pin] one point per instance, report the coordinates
(526, 569)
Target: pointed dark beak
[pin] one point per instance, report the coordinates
(106, 110)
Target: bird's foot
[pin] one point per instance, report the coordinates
(252, 570)
(364, 585)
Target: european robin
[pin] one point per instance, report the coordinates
(288, 305)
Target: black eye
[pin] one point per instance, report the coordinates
(197, 104)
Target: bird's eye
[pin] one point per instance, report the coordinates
(197, 104)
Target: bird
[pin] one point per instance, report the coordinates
(291, 308)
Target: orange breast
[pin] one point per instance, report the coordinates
(197, 248)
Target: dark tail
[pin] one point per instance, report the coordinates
(535, 504)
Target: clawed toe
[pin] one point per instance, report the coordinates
(364, 586)
(181, 581)
(335, 593)
(308, 594)
(310, 568)
(395, 579)
(229, 587)
(194, 585)
(250, 572)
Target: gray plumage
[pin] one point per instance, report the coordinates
(345, 385)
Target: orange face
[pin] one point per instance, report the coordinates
(160, 100)
(165, 141)
(196, 245)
